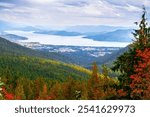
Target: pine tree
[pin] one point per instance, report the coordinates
(56, 91)
(28, 89)
(105, 71)
(94, 85)
(142, 35)
(126, 62)
(38, 86)
(19, 92)
(44, 93)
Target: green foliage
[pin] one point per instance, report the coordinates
(16, 67)
(126, 62)
(97, 87)
(142, 35)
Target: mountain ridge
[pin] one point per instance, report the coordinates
(115, 36)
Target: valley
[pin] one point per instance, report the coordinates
(77, 49)
(80, 55)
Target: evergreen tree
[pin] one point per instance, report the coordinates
(28, 89)
(142, 35)
(44, 93)
(56, 92)
(126, 62)
(38, 86)
(19, 92)
(94, 85)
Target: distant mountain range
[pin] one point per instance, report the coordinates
(15, 26)
(121, 35)
(91, 28)
(98, 33)
(115, 36)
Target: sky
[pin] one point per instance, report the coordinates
(73, 12)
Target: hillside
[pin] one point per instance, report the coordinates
(114, 36)
(32, 68)
(109, 59)
(9, 48)
(12, 37)
(18, 61)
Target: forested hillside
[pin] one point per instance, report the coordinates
(31, 67)
(29, 77)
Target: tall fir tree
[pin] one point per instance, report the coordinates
(126, 62)
(19, 92)
(44, 93)
(94, 85)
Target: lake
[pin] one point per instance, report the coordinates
(65, 40)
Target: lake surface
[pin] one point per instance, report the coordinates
(65, 40)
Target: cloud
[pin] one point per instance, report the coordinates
(72, 12)
(76, 3)
(6, 5)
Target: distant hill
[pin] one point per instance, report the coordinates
(92, 28)
(109, 59)
(59, 33)
(10, 48)
(115, 36)
(12, 37)
(28, 28)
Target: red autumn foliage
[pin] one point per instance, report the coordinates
(7, 96)
(121, 93)
(140, 84)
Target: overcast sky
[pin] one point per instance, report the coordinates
(73, 12)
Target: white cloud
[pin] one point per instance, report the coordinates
(73, 12)
(133, 8)
(6, 5)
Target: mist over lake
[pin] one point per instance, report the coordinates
(65, 40)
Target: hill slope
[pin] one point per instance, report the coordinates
(109, 59)
(9, 48)
(116, 36)
(17, 61)
(32, 68)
